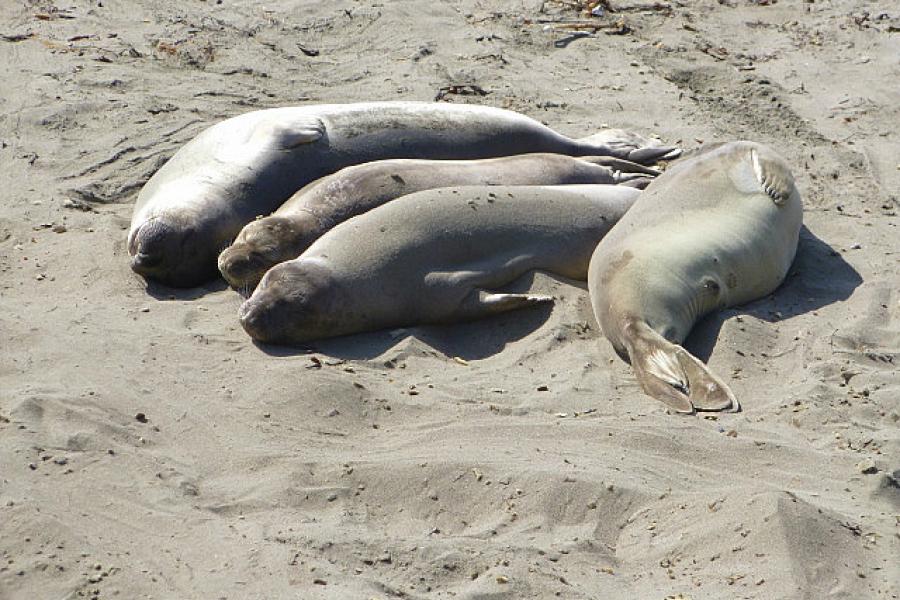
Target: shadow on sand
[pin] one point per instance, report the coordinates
(164, 292)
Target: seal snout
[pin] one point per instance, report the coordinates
(240, 267)
(145, 263)
(147, 247)
(255, 320)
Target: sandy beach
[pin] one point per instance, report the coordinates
(149, 449)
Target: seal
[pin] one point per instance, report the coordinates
(435, 256)
(249, 165)
(354, 190)
(717, 229)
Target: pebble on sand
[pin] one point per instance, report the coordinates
(867, 466)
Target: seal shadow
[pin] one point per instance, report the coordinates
(163, 292)
(470, 340)
(818, 277)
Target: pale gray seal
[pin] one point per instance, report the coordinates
(435, 256)
(248, 165)
(354, 190)
(716, 229)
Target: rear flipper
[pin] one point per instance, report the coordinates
(620, 164)
(628, 145)
(637, 182)
(669, 373)
(479, 304)
(652, 155)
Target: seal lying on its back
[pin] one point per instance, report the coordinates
(717, 229)
(248, 165)
(432, 257)
(354, 190)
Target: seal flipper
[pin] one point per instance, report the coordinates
(290, 134)
(707, 391)
(480, 303)
(774, 176)
(627, 145)
(652, 155)
(669, 373)
(620, 164)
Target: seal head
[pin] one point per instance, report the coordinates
(295, 302)
(169, 250)
(264, 243)
(173, 242)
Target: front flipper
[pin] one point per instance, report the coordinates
(774, 177)
(669, 373)
(479, 304)
(629, 145)
(289, 133)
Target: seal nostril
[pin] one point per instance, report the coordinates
(148, 245)
(253, 321)
(142, 262)
(248, 314)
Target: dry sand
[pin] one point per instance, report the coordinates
(149, 450)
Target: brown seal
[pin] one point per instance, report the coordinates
(435, 256)
(321, 205)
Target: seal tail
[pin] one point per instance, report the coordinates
(669, 373)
